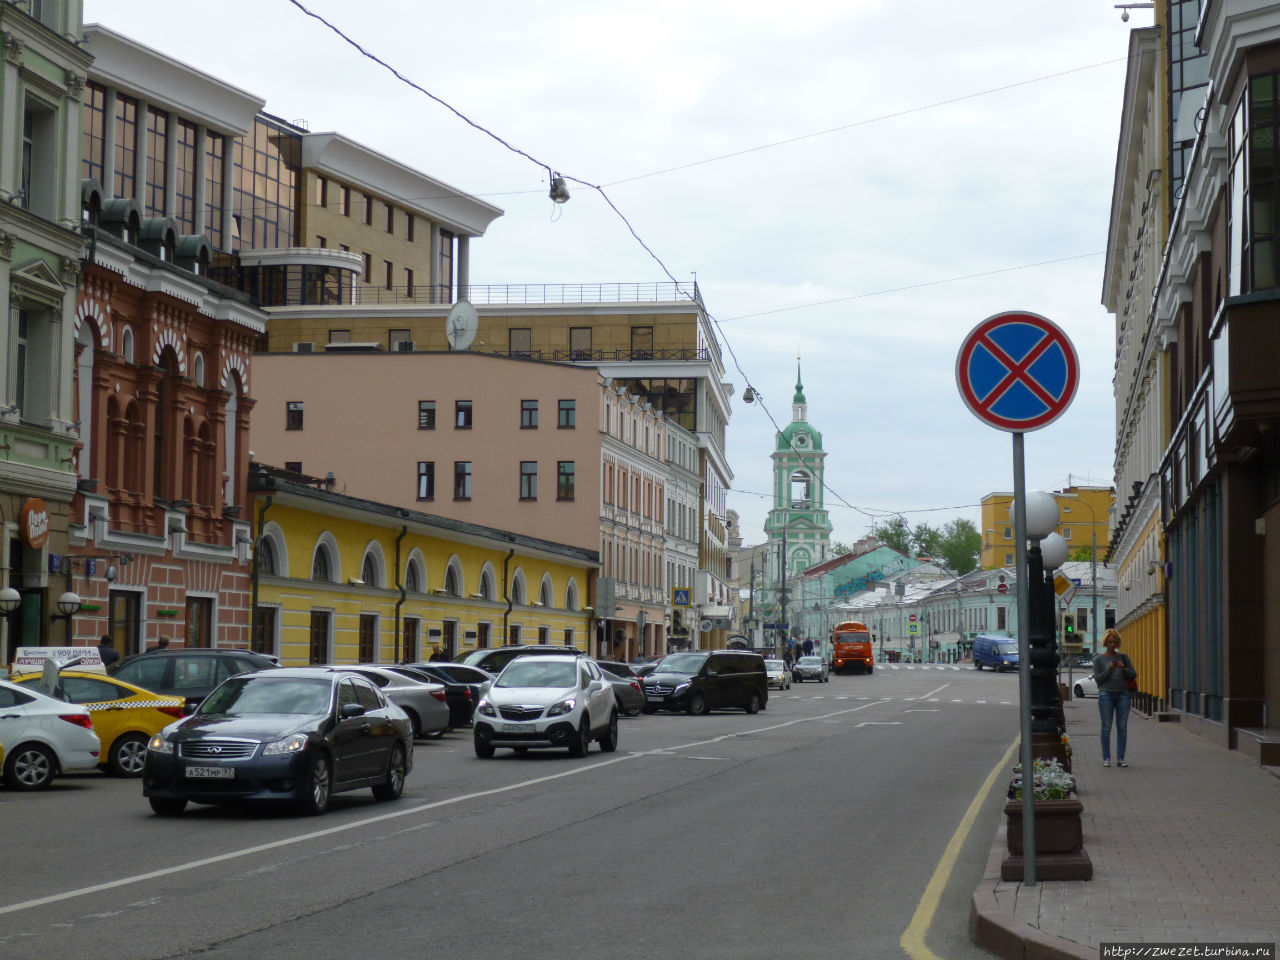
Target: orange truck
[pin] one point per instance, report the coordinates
(851, 648)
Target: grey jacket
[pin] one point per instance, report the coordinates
(1116, 681)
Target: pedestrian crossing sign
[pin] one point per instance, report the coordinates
(680, 597)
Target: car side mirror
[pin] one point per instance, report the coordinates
(350, 710)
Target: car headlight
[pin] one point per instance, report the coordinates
(564, 706)
(485, 709)
(288, 745)
(158, 744)
(681, 688)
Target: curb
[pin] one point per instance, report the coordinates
(1003, 934)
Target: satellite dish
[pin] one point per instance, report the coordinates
(461, 325)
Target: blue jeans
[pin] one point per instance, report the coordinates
(1112, 703)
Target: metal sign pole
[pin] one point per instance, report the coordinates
(1024, 664)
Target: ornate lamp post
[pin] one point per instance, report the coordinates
(1042, 659)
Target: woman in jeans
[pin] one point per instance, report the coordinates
(1113, 670)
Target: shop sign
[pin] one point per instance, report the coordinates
(34, 521)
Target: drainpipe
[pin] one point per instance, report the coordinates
(403, 593)
(253, 603)
(506, 594)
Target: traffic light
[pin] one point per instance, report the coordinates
(677, 623)
(1068, 627)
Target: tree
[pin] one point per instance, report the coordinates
(927, 540)
(839, 549)
(895, 533)
(961, 545)
(1082, 553)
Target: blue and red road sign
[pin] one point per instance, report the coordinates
(1017, 371)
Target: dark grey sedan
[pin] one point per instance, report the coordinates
(298, 734)
(627, 687)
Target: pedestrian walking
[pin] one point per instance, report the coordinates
(808, 646)
(1113, 672)
(107, 650)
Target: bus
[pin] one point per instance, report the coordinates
(851, 648)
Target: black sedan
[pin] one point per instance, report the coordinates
(457, 696)
(298, 734)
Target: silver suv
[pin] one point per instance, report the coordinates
(547, 701)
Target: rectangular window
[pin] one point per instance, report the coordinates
(367, 277)
(568, 418)
(408, 227)
(126, 121)
(264, 631)
(20, 373)
(528, 414)
(564, 480)
(93, 136)
(642, 343)
(579, 343)
(293, 415)
(368, 210)
(408, 282)
(126, 621)
(528, 479)
(462, 415)
(446, 267)
(293, 466)
(368, 638)
(426, 480)
(391, 219)
(482, 635)
(1008, 559)
(388, 270)
(319, 647)
(462, 480)
(321, 242)
(185, 197)
(346, 201)
(426, 414)
(544, 635)
(1001, 621)
(1008, 533)
(157, 161)
(339, 336)
(322, 192)
(200, 622)
(1082, 619)
(398, 340)
(520, 341)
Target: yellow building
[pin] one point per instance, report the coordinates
(1083, 520)
(337, 579)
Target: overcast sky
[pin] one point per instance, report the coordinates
(889, 175)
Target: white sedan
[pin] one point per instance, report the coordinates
(41, 737)
(777, 674)
(1084, 686)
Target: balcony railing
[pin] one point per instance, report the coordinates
(597, 356)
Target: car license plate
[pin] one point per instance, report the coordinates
(212, 773)
(516, 727)
(657, 697)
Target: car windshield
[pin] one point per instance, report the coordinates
(539, 673)
(810, 661)
(774, 665)
(1006, 648)
(247, 696)
(681, 663)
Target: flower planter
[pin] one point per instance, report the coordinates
(1059, 838)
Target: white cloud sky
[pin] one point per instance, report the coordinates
(913, 191)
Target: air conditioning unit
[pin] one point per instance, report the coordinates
(304, 347)
(404, 346)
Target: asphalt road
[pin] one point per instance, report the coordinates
(812, 829)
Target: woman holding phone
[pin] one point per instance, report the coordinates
(1113, 670)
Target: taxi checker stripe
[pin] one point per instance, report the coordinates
(129, 704)
(1017, 371)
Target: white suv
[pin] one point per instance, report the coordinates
(547, 701)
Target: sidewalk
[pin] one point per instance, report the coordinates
(1185, 844)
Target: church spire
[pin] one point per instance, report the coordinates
(799, 397)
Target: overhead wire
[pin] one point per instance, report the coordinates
(870, 513)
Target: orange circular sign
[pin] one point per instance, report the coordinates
(34, 521)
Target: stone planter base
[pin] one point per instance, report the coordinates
(1060, 853)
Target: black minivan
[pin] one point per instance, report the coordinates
(703, 680)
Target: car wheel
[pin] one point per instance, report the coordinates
(394, 784)
(30, 767)
(1078, 692)
(127, 755)
(319, 784)
(699, 705)
(415, 724)
(609, 742)
(484, 749)
(753, 703)
(977, 665)
(167, 806)
(581, 741)
(437, 734)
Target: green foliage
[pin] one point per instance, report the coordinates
(961, 545)
(1082, 553)
(957, 544)
(895, 533)
(839, 549)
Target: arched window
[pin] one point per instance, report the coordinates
(544, 595)
(197, 370)
(453, 579)
(126, 344)
(324, 564)
(487, 588)
(268, 563)
(571, 597)
(412, 579)
(517, 587)
(207, 466)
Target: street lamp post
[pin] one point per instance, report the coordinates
(68, 606)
